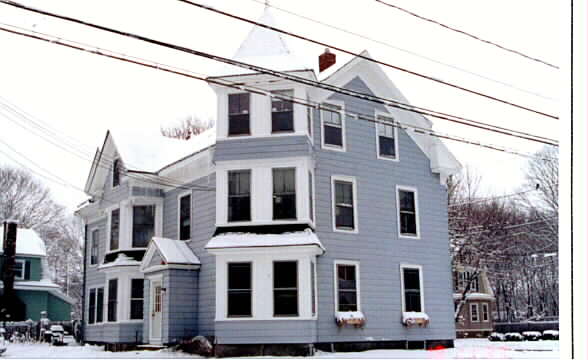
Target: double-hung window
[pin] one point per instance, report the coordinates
(412, 289)
(285, 288)
(485, 312)
(94, 247)
(185, 216)
(309, 110)
(114, 228)
(284, 195)
(239, 114)
(333, 127)
(282, 111)
(239, 208)
(143, 225)
(99, 305)
(344, 204)
(96, 305)
(112, 299)
(347, 287)
(92, 307)
(19, 269)
(311, 196)
(474, 316)
(407, 212)
(136, 299)
(239, 292)
(386, 139)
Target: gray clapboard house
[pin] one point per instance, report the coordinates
(283, 225)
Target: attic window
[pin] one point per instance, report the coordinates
(387, 142)
(239, 114)
(115, 172)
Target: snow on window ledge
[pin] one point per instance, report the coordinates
(412, 318)
(355, 318)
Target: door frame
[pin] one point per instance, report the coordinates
(152, 339)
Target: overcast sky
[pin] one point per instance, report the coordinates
(82, 95)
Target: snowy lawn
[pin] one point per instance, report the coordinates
(465, 349)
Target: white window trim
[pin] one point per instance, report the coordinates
(109, 229)
(180, 196)
(417, 211)
(296, 193)
(397, 157)
(293, 131)
(112, 186)
(312, 218)
(485, 305)
(353, 181)
(310, 131)
(315, 298)
(123, 296)
(357, 281)
(104, 309)
(130, 298)
(22, 271)
(343, 148)
(472, 313)
(420, 268)
(262, 282)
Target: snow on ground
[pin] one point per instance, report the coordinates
(465, 349)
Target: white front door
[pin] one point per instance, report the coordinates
(156, 311)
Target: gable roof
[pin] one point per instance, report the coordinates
(442, 160)
(28, 242)
(143, 150)
(172, 253)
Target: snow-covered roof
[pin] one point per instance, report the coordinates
(248, 240)
(175, 251)
(42, 285)
(121, 260)
(150, 151)
(474, 296)
(266, 48)
(28, 242)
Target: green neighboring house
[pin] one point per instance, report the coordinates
(32, 282)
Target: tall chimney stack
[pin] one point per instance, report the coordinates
(326, 60)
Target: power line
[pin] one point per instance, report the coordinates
(220, 82)
(492, 198)
(468, 34)
(389, 45)
(298, 79)
(412, 72)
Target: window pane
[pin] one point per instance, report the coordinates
(284, 195)
(282, 112)
(143, 225)
(94, 248)
(412, 290)
(347, 287)
(387, 147)
(346, 277)
(286, 302)
(18, 269)
(413, 301)
(333, 135)
(114, 229)
(239, 203)
(406, 200)
(285, 288)
(185, 217)
(407, 223)
(238, 114)
(112, 299)
(310, 196)
(344, 192)
(239, 289)
(344, 217)
(100, 305)
(137, 288)
(285, 274)
(347, 301)
(92, 306)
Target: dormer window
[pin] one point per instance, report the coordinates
(282, 111)
(115, 172)
(239, 114)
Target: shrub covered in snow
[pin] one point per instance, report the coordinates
(550, 335)
(532, 335)
(513, 336)
(496, 337)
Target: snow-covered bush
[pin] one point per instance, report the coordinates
(532, 335)
(496, 337)
(550, 335)
(513, 336)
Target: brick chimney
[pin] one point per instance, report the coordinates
(326, 60)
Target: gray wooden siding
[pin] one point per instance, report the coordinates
(181, 316)
(115, 333)
(263, 148)
(377, 246)
(265, 331)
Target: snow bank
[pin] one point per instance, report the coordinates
(28, 242)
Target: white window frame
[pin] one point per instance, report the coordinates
(472, 313)
(343, 147)
(180, 196)
(412, 266)
(123, 296)
(485, 312)
(378, 115)
(104, 315)
(120, 228)
(310, 110)
(353, 181)
(131, 298)
(91, 245)
(114, 161)
(22, 271)
(357, 281)
(417, 211)
(293, 97)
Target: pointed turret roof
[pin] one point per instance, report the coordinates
(266, 48)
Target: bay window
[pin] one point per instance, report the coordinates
(143, 225)
(136, 299)
(285, 275)
(239, 290)
(282, 111)
(112, 299)
(284, 194)
(239, 195)
(239, 114)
